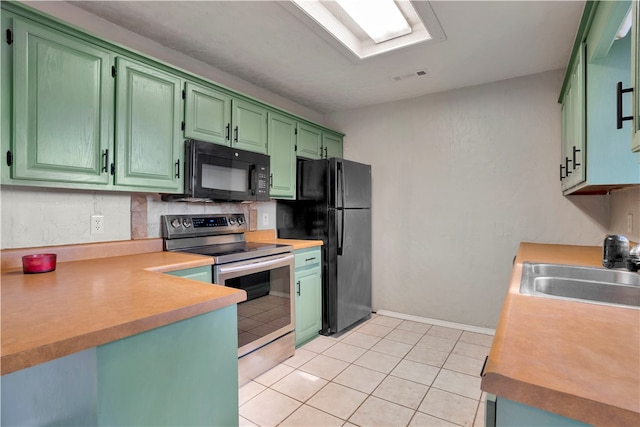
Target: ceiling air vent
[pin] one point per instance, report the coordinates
(419, 73)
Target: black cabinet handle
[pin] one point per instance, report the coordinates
(177, 168)
(566, 165)
(236, 134)
(619, 92)
(228, 131)
(105, 155)
(298, 283)
(561, 174)
(310, 259)
(575, 163)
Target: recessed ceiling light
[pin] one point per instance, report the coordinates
(380, 19)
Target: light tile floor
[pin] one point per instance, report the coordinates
(385, 372)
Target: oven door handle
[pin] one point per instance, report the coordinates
(256, 265)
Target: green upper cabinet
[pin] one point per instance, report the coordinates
(249, 126)
(331, 145)
(207, 114)
(572, 170)
(309, 141)
(149, 144)
(282, 142)
(595, 153)
(62, 107)
(635, 75)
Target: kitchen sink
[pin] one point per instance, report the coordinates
(585, 284)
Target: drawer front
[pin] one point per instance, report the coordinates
(307, 257)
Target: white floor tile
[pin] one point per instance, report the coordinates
(299, 385)
(378, 412)
(406, 337)
(337, 400)
(427, 356)
(418, 327)
(310, 416)
(392, 348)
(437, 343)
(448, 406)
(301, 357)
(359, 339)
(274, 374)
(455, 382)
(319, 344)
(345, 352)
(376, 330)
(444, 332)
(249, 390)
(477, 339)
(269, 408)
(400, 391)
(377, 361)
(423, 420)
(415, 371)
(359, 378)
(471, 350)
(464, 364)
(324, 367)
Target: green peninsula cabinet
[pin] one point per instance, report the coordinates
(149, 146)
(201, 274)
(62, 107)
(207, 114)
(308, 298)
(505, 412)
(178, 374)
(282, 150)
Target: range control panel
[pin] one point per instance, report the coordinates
(175, 226)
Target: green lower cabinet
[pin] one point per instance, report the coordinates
(308, 298)
(282, 150)
(185, 374)
(201, 274)
(504, 412)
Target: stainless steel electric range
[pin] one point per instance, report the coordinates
(265, 271)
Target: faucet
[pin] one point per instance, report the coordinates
(616, 253)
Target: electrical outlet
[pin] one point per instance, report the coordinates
(97, 224)
(265, 219)
(629, 223)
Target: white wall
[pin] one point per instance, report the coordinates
(459, 180)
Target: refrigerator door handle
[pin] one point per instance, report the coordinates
(341, 173)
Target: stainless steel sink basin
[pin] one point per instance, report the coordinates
(585, 284)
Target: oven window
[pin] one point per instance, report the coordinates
(224, 178)
(268, 304)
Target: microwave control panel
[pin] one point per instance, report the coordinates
(262, 184)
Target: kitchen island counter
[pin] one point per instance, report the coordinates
(90, 302)
(574, 359)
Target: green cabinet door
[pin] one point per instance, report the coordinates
(249, 126)
(207, 114)
(309, 141)
(308, 298)
(149, 144)
(282, 141)
(62, 107)
(331, 145)
(635, 75)
(572, 162)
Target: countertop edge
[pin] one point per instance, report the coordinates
(575, 407)
(32, 357)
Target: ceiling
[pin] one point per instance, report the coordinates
(263, 43)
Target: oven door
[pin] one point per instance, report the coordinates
(268, 312)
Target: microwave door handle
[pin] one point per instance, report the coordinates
(252, 180)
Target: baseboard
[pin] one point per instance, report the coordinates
(437, 322)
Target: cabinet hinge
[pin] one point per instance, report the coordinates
(9, 37)
(113, 71)
(296, 131)
(184, 94)
(182, 126)
(113, 168)
(9, 158)
(295, 148)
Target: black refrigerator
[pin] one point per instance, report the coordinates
(334, 205)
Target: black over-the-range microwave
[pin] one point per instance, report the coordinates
(215, 172)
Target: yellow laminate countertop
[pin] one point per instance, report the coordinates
(89, 302)
(578, 360)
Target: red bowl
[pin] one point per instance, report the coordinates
(38, 263)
